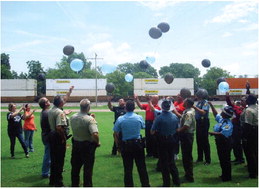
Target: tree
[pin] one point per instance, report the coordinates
(35, 69)
(5, 67)
(209, 80)
(182, 70)
(122, 88)
(135, 68)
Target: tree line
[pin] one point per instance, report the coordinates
(62, 70)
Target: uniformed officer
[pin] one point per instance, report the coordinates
(186, 134)
(202, 126)
(250, 135)
(222, 132)
(132, 147)
(165, 126)
(118, 111)
(85, 140)
(58, 126)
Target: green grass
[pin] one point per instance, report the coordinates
(108, 170)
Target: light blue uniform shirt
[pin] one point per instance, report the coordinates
(224, 126)
(203, 104)
(166, 123)
(129, 125)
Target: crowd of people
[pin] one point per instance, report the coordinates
(167, 126)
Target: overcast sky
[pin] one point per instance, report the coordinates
(225, 32)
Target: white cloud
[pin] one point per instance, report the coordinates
(227, 34)
(234, 67)
(23, 45)
(250, 27)
(157, 5)
(235, 11)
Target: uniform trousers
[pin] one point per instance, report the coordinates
(57, 156)
(83, 154)
(150, 139)
(202, 138)
(223, 149)
(134, 150)
(250, 145)
(166, 157)
(186, 140)
(237, 142)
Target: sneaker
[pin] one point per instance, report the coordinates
(13, 157)
(27, 155)
(31, 150)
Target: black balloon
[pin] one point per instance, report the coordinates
(205, 63)
(41, 76)
(68, 50)
(185, 93)
(143, 64)
(109, 87)
(155, 32)
(202, 93)
(219, 80)
(169, 78)
(164, 27)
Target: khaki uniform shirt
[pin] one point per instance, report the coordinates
(56, 117)
(188, 119)
(251, 115)
(83, 126)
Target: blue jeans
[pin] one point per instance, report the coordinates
(12, 137)
(46, 160)
(28, 135)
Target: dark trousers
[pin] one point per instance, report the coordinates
(202, 138)
(186, 140)
(83, 154)
(12, 137)
(57, 156)
(131, 151)
(237, 142)
(223, 149)
(149, 138)
(250, 145)
(114, 148)
(166, 157)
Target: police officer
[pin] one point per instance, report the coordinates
(186, 134)
(202, 126)
(222, 132)
(57, 138)
(165, 126)
(118, 111)
(132, 147)
(250, 135)
(84, 142)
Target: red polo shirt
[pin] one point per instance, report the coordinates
(179, 107)
(149, 114)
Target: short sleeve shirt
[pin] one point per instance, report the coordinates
(56, 117)
(179, 107)
(188, 119)
(165, 124)
(224, 126)
(129, 125)
(29, 122)
(14, 123)
(251, 115)
(203, 104)
(149, 113)
(83, 126)
(44, 122)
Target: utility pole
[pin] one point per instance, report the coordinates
(95, 62)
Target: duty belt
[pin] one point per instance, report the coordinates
(132, 141)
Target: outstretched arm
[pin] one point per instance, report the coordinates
(109, 103)
(214, 111)
(137, 101)
(228, 100)
(68, 94)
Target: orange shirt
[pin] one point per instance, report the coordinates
(29, 122)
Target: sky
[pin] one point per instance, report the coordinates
(225, 32)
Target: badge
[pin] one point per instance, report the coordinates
(226, 126)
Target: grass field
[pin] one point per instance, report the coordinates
(108, 170)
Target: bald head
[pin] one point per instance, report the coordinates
(154, 99)
(85, 105)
